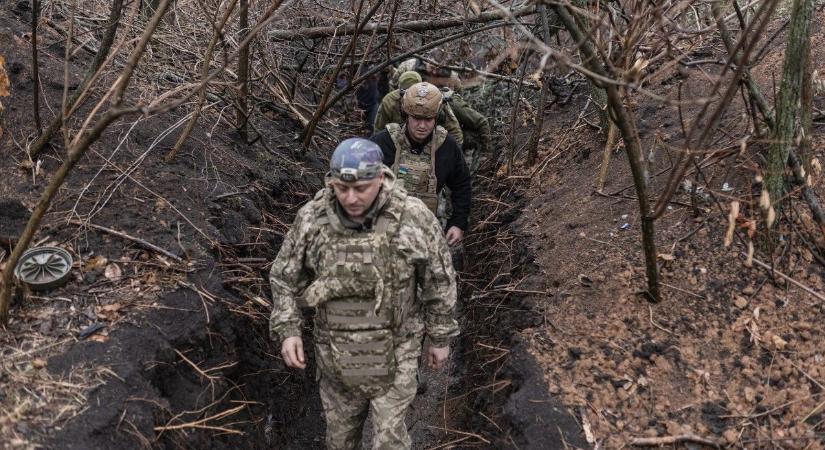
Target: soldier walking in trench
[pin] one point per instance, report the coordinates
(429, 162)
(374, 262)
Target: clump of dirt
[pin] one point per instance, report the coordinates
(13, 218)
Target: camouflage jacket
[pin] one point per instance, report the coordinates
(419, 249)
(389, 111)
(474, 125)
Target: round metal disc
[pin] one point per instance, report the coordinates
(44, 267)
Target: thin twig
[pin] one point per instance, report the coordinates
(143, 243)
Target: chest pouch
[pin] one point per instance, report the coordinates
(415, 175)
(350, 294)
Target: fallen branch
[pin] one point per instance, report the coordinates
(408, 27)
(669, 440)
(787, 278)
(479, 72)
(143, 243)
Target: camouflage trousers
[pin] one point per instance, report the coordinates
(346, 411)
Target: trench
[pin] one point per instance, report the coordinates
(189, 378)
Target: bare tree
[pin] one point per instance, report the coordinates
(788, 130)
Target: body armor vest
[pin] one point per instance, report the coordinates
(360, 296)
(416, 172)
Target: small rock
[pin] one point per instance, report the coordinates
(778, 342)
(673, 428)
(731, 436)
(740, 302)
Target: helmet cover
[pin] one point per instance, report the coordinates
(356, 159)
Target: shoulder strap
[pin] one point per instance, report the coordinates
(390, 219)
(439, 137)
(325, 216)
(396, 132)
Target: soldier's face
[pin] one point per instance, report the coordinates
(356, 197)
(420, 127)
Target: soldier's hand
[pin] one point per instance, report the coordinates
(454, 235)
(292, 351)
(437, 356)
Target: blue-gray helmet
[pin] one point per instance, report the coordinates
(356, 159)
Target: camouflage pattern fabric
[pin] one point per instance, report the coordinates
(408, 65)
(346, 412)
(416, 172)
(389, 111)
(476, 129)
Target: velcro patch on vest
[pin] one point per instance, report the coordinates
(365, 360)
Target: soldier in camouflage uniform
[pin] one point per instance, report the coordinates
(427, 159)
(389, 111)
(374, 263)
(475, 127)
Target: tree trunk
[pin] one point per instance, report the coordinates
(243, 72)
(36, 68)
(788, 117)
(533, 144)
(626, 124)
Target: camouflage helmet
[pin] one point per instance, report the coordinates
(356, 159)
(422, 100)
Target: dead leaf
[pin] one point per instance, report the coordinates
(4, 79)
(113, 272)
(588, 430)
(734, 213)
(731, 436)
(99, 338)
(96, 262)
(150, 278)
(114, 307)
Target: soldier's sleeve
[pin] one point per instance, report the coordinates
(459, 181)
(438, 284)
(483, 127)
(475, 120)
(452, 126)
(288, 277)
(382, 116)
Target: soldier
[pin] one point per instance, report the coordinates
(408, 65)
(426, 158)
(390, 109)
(476, 129)
(373, 261)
